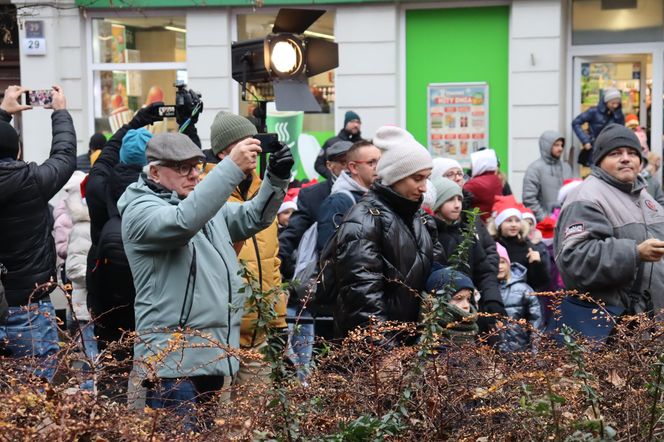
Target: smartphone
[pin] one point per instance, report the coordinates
(38, 97)
(166, 111)
(269, 142)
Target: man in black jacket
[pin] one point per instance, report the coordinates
(109, 281)
(27, 248)
(384, 251)
(351, 132)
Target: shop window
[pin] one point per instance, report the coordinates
(253, 26)
(136, 61)
(617, 21)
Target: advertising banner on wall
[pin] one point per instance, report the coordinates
(458, 119)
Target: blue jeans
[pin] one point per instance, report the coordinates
(89, 344)
(183, 395)
(301, 343)
(31, 332)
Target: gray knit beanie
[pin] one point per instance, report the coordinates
(611, 94)
(445, 190)
(401, 156)
(227, 129)
(612, 137)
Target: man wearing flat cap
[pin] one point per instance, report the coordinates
(178, 234)
(609, 238)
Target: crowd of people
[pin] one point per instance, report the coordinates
(163, 236)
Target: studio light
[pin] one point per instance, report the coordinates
(286, 58)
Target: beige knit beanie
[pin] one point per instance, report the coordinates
(402, 155)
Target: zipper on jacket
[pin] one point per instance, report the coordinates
(230, 293)
(188, 301)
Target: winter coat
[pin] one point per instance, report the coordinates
(544, 178)
(539, 277)
(321, 159)
(62, 226)
(309, 201)
(345, 193)
(598, 118)
(520, 303)
(654, 187)
(484, 189)
(384, 255)
(78, 245)
(186, 272)
(27, 246)
(600, 226)
(480, 270)
(259, 253)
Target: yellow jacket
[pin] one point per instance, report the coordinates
(260, 253)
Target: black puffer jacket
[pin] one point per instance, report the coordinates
(27, 248)
(478, 267)
(383, 260)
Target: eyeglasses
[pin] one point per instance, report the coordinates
(453, 174)
(184, 169)
(372, 163)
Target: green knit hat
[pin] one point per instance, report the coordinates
(227, 129)
(446, 189)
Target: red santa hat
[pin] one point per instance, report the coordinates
(547, 226)
(568, 186)
(527, 213)
(505, 207)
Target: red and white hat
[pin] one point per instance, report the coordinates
(505, 207)
(568, 186)
(527, 213)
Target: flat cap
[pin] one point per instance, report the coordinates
(338, 149)
(174, 147)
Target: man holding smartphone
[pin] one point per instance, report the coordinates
(610, 235)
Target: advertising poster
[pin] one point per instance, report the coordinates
(458, 119)
(288, 127)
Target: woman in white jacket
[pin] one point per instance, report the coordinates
(76, 264)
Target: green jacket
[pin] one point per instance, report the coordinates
(186, 272)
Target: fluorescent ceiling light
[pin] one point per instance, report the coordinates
(175, 29)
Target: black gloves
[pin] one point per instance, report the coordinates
(146, 115)
(185, 102)
(281, 163)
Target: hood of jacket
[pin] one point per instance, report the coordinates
(546, 141)
(143, 186)
(76, 207)
(483, 161)
(632, 189)
(345, 183)
(518, 274)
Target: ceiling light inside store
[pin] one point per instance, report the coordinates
(175, 29)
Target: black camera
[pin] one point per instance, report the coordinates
(188, 104)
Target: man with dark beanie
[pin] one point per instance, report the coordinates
(609, 238)
(27, 248)
(351, 132)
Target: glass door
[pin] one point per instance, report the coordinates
(631, 74)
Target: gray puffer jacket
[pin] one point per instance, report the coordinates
(544, 178)
(520, 303)
(600, 226)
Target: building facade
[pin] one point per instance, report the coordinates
(540, 63)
